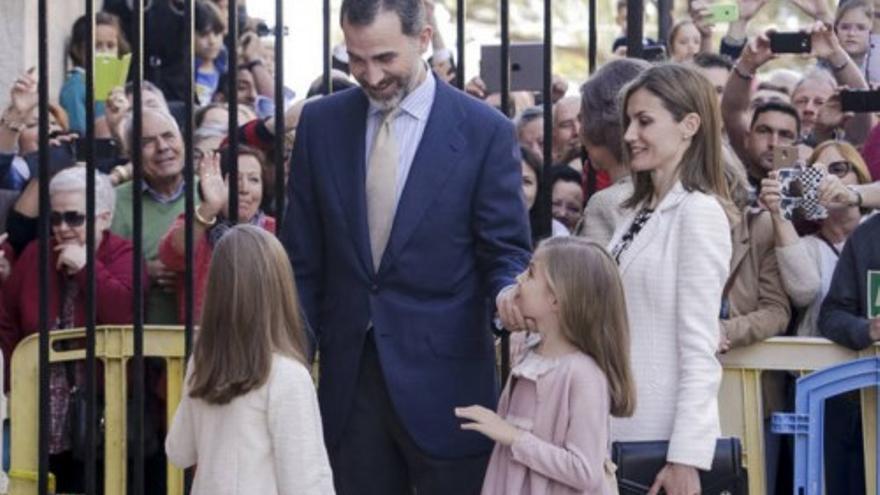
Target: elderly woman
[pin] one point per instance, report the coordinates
(602, 137)
(211, 217)
(20, 311)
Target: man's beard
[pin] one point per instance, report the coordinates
(405, 85)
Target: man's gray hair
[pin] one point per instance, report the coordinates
(128, 126)
(364, 12)
(73, 180)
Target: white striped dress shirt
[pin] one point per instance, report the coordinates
(407, 127)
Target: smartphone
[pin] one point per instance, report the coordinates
(61, 156)
(860, 100)
(785, 157)
(791, 42)
(723, 12)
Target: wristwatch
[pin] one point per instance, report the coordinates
(858, 200)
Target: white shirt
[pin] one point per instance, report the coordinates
(268, 441)
(408, 126)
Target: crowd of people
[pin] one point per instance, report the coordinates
(699, 204)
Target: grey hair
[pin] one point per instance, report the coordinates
(364, 12)
(73, 180)
(600, 103)
(816, 74)
(528, 115)
(208, 132)
(128, 126)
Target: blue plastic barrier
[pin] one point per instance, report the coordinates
(806, 423)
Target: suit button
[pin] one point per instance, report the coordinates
(374, 288)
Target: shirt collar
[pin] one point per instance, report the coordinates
(161, 198)
(418, 102)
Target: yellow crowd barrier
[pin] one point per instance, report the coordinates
(740, 397)
(114, 347)
(741, 405)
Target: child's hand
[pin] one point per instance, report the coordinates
(488, 423)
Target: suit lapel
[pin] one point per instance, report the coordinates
(656, 224)
(348, 164)
(437, 154)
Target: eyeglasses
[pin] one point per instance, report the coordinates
(71, 218)
(840, 168)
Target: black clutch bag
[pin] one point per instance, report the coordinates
(639, 462)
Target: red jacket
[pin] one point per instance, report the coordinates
(20, 310)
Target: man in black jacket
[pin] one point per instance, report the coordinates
(844, 315)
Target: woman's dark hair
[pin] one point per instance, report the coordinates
(536, 164)
(243, 149)
(76, 50)
(208, 18)
(600, 103)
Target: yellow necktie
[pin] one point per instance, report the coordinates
(382, 187)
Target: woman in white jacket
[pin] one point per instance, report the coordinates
(674, 253)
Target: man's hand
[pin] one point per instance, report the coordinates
(476, 88)
(676, 479)
(874, 329)
(833, 194)
(702, 18)
(24, 96)
(756, 53)
(509, 313)
(71, 258)
(825, 43)
(487, 422)
(161, 276)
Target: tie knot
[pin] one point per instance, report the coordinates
(389, 115)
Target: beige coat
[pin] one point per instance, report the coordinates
(759, 307)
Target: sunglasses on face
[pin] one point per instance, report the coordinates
(840, 168)
(70, 218)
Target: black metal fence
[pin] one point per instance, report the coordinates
(635, 28)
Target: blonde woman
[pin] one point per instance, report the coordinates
(674, 253)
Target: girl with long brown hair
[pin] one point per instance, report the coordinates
(674, 253)
(576, 368)
(249, 415)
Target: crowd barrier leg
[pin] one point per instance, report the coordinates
(114, 346)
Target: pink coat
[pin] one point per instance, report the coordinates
(564, 413)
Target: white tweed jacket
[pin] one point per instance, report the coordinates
(673, 276)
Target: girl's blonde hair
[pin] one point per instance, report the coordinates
(250, 311)
(683, 91)
(592, 313)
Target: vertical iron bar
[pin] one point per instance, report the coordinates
(664, 19)
(591, 40)
(280, 129)
(545, 217)
(505, 57)
(635, 11)
(325, 43)
(43, 89)
(137, 410)
(91, 319)
(459, 42)
(188, 175)
(505, 109)
(232, 98)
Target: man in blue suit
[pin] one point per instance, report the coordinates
(405, 224)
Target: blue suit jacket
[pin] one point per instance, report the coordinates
(460, 235)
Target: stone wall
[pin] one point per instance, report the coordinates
(18, 40)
